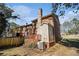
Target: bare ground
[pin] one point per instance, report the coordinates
(56, 50)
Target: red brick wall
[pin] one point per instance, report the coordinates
(33, 38)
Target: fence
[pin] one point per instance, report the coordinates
(16, 41)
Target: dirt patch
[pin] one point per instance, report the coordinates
(56, 50)
(60, 50)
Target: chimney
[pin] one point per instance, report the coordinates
(40, 13)
(39, 16)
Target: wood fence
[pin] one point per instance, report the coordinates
(16, 41)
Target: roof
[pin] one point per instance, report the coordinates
(35, 20)
(24, 25)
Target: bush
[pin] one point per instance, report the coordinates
(32, 45)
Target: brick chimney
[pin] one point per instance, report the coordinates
(39, 16)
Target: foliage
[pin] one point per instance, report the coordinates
(32, 45)
(72, 31)
(72, 27)
(5, 10)
(5, 13)
(66, 26)
(61, 8)
(2, 24)
(13, 25)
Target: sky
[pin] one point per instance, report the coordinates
(29, 11)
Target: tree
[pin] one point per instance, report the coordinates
(5, 13)
(61, 8)
(66, 26)
(72, 31)
(71, 27)
(75, 22)
(13, 25)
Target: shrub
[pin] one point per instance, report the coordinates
(32, 45)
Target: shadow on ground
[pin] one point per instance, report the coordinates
(70, 42)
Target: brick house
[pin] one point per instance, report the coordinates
(44, 28)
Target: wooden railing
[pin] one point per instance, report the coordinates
(11, 41)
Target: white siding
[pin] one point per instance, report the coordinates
(43, 31)
(46, 33)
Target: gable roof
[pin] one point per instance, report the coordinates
(50, 15)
